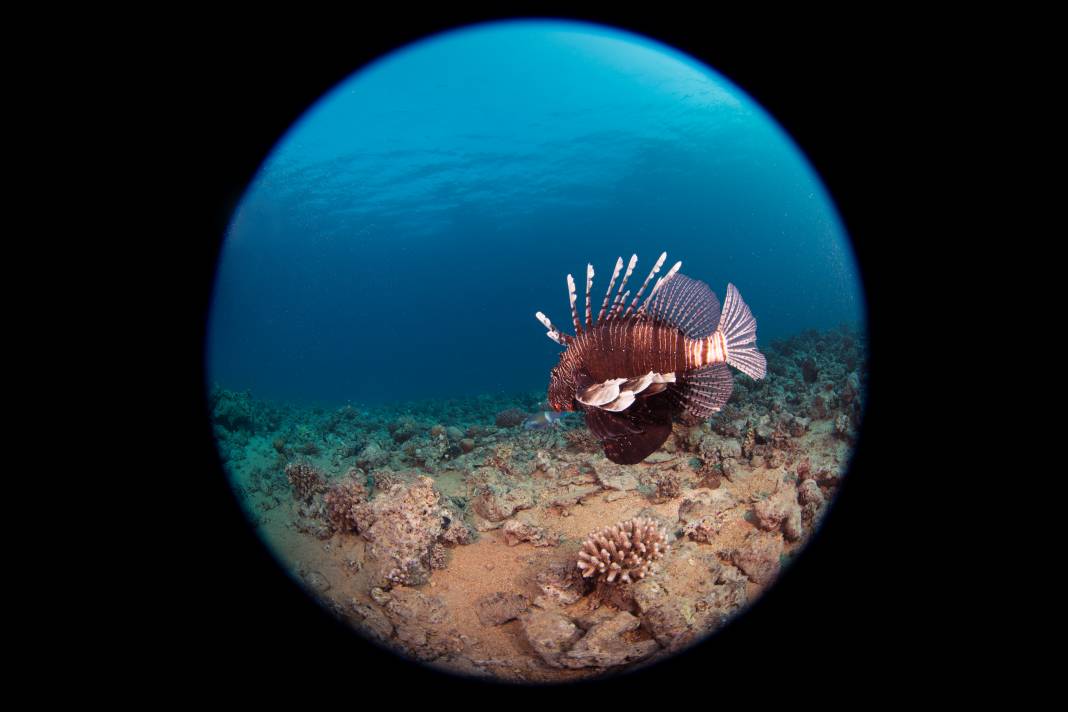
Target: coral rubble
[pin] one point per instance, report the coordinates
(449, 533)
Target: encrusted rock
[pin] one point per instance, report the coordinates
(665, 487)
(704, 513)
(780, 510)
(678, 618)
(759, 556)
(604, 645)
(374, 622)
(421, 621)
(812, 500)
(496, 503)
(407, 523)
(516, 532)
(340, 504)
(371, 456)
(455, 531)
(550, 634)
(614, 477)
(402, 430)
(560, 584)
(498, 608)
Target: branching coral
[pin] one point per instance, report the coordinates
(624, 550)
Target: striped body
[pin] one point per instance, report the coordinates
(633, 347)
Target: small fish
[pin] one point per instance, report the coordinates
(543, 420)
(632, 370)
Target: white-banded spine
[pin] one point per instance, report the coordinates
(572, 298)
(589, 284)
(611, 283)
(553, 332)
(652, 273)
(659, 283)
(618, 302)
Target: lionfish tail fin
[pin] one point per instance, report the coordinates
(739, 334)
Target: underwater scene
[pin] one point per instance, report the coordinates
(537, 352)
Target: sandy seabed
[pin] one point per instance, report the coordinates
(449, 531)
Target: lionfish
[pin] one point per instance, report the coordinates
(631, 371)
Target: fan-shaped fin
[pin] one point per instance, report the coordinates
(630, 436)
(703, 391)
(599, 394)
(739, 331)
(687, 304)
(617, 394)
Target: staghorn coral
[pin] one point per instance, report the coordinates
(624, 550)
(305, 480)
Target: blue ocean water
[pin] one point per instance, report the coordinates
(398, 240)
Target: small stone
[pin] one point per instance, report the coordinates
(498, 608)
(516, 532)
(374, 621)
(317, 581)
(841, 426)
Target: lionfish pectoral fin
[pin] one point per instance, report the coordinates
(703, 391)
(630, 436)
(618, 394)
(620, 403)
(600, 394)
(653, 389)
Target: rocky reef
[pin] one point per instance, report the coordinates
(452, 533)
